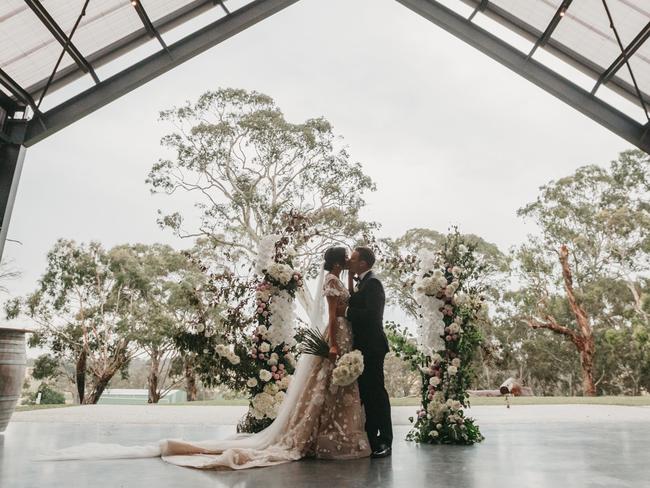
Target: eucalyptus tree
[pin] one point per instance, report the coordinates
(246, 168)
(594, 231)
(84, 307)
(152, 273)
(395, 252)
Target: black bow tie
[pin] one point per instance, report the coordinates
(356, 278)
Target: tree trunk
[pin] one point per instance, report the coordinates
(638, 302)
(80, 375)
(190, 381)
(100, 385)
(488, 379)
(635, 383)
(584, 341)
(152, 381)
(587, 365)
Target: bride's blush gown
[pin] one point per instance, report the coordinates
(325, 421)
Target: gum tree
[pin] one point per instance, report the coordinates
(246, 168)
(594, 228)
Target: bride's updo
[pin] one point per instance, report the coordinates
(334, 256)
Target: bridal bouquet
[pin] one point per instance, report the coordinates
(348, 368)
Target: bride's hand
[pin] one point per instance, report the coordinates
(334, 353)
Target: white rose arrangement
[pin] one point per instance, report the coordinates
(271, 352)
(348, 368)
(281, 320)
(281, 272)
(224, 352)
(266, 405)
(265, 251)
(448, 290)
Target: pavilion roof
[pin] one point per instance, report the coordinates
(49, 44)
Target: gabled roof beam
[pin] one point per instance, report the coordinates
(114, 50)
(149, 68)
(531, 69)
(560, 50)
(56, 31)
(626, 53)
(626, 58)
(144, 18)
(559, 15)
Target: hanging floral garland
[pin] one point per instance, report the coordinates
(450, 309)
(240, 332)
(273, 345)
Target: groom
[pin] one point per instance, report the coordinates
(365, 311)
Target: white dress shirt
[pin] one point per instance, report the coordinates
(363, 275)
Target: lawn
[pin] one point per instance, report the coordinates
(640, 401)
(479, 401)
(221, 402)
(628, 401)
(26, 408)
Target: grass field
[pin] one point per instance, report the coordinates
(27, 408)
(640, 401)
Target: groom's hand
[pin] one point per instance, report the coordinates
(340, 309)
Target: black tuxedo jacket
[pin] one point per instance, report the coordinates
(366, 315)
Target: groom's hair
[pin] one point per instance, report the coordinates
(366, 254)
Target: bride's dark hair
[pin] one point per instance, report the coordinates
(334, 256)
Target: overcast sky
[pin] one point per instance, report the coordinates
(449, 135)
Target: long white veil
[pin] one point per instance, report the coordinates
(259, 441)
(317, 312)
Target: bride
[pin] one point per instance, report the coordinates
(316, 419)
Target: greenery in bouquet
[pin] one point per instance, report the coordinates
(347, 368)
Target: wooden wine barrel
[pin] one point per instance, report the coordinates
(12, 371)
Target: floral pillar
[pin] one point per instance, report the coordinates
(272, 348)
(450, 310)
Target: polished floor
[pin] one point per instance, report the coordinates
(580, 451)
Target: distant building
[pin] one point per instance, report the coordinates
(129, 396)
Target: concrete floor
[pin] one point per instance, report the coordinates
(526, 447)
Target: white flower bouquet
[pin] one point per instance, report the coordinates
(348, 368)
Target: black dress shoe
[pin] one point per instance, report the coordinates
(382, 452)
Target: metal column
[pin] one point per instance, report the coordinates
(11, 164)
